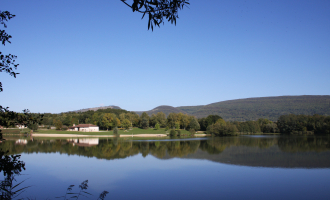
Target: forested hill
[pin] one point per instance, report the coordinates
(248, 109)
(97, 108)
(165, 109)
(263, 107)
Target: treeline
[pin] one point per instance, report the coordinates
(11, 119)
(111, 118)
(216, 125)
(212, 124)
(304, 124)
(173, 121)
(286, 124)
(104, 118)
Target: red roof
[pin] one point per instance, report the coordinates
(83, 126)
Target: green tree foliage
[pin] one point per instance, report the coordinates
(248, 127)
(161, 119)
(270, 128)
(135, 119)
(126, 123)
(178, 132)
(58, 125)
(221, 121)
(153, 120)
(96, 120)
(158, 10)
(172, 132)
(107, 120)
(177, 125)
(194, 124)
(317, 124)
(116, 122)
(33, 127)
(67, 120)
(157, 126)
(144, 120)
(184, 121)
(10, 119)
(207, 121)
(88, 121)
(172, 119)
(104, 118)
(122, 117)
(219, 129)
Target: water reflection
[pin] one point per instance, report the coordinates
(264, 151)
(85, 142)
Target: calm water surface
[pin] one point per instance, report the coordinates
(244, 167)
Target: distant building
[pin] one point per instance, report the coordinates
(20, 126)
(84, 128)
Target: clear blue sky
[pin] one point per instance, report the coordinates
(82, 53)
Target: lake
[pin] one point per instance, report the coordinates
(240, 167)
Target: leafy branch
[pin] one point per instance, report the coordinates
(157, 10)
(7, 62)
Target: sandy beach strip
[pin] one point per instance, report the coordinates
(145, 135)
(200, 135)
(75, 135)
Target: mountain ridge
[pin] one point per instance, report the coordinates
(248, 108)
(96, 108)
(163, 108)
(261, 107)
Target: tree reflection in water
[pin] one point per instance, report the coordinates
(260, 151)
(11, 166)
(115, 148)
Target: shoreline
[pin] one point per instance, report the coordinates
(99, 136)
(103, 136)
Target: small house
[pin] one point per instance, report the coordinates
(20, 126)
(84, 128)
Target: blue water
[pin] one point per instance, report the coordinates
(186, 177)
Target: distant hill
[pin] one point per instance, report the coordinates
(96, 108)
(189, 109)
(248, 109)
(263, 107)
(165, 109)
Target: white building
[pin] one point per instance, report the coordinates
(84, 128)
(20, 126)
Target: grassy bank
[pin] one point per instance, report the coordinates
(259, 133)
(133, 131)
(149, 131)
(15, 131)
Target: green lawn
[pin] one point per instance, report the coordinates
(121, 132)
(13, 131)
(259, 133)
(50, 131)
(149, 131)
